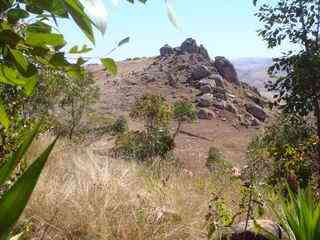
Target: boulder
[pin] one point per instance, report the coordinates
(199, 72)
(227, 70)
(220, 93)
(204, 52)
(218, 79)
(256, 230)
(231, 108)
(205, 100)
(189, 46)
(256, 111)
(207, 81)
(219, 104)
(207, 114)
(166, 50)
(206, 89)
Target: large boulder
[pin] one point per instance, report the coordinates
(227, 70)
(256, 111)
(199, 72)
(204, 52)
(256, 230)
(166, 50)
(205, 100)
(218, 79)
(189, 46)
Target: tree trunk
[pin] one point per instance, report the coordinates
(177, 130)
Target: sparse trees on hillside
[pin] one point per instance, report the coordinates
(295, 23)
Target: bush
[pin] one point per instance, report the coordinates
(142, 145)
(119, 126)
(286, 151)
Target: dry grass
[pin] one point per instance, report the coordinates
(86, 196)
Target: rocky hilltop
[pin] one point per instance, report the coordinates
(214, 83)
(229, 110)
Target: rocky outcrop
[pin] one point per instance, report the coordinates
(199, 72)
(227, 70)
(166, 50)
(256, 111)
(256, 230)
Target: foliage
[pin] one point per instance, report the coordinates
(285, 151)
(299, 215)
(144, 145)
(297, 86)
(119, 126)
(14, 200)
(183, 111)
(154, 110)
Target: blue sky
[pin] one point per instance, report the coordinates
(225, 27)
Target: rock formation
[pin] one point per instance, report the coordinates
(227, 70)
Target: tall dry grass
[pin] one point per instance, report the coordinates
(83, 195)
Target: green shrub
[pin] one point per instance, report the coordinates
(119, 126)
(143, 146)
(286, 151)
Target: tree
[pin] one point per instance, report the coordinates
(297, 88)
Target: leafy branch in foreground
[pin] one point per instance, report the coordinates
(14, 200)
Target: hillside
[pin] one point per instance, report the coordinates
(230, 112)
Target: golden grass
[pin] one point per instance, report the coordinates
(82, 195)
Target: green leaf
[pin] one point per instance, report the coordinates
(15, 14)
(15, 200)
(124, 41)
(110, 65)
(4, 119)
(20, 60)
(44, 39)
(76, 50)
(171, 14)
(8, 167)
(76, 10)
(100, 20)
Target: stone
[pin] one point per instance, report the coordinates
(207, 114)
(205, 89)
(256, 111)
(204, 52)
(199, 72)
(227, 70)
(205, 100)
(166, 50)
(219, 104)
(218, 79)
(256, 230)
(231, 108)
(207, 81)
(189, 46)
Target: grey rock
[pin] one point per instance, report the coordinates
(206, 89)
(205, 100)
(231, 108)
(207, 81)
(204, 52)
(166, 50)
(218, 79)
(207, 114)
(256, 111)
(227, 70)
(219, 104)
(256, 230)
(199, 72)
(189, 46)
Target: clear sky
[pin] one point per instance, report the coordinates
(225, 27)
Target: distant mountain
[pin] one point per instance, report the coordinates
(253, 71)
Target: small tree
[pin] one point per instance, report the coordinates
(297, 89)
(183, 111)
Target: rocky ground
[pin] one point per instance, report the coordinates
(230, 111)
